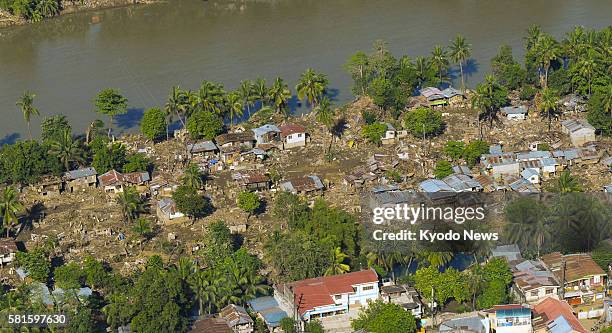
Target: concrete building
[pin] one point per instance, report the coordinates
(293, 135)
(8, 251)
(579, 130)
(167, 211)
(555, 316)
(204, 149)
(515, 112)
(81, 179)
(241, 139)
(115, 182)
(533, 281)
(267, 133)
(510, 318)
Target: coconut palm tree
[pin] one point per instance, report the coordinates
(9, 207)
(210, 97)
(26, 103)
(94, 129)
(324, 114)
(439, 59)
(587, 66)
(67, 150)
(527, 223)
(279, 94)
(422, 67)
(337, 265)
(186, 267)
(573, 44)
(130, 203)
(176, 103)
(311, 86)
(607, 99)
(548, 104)
(533, 35)
(247, 94)
(261, 92)
(252, 285)
(548, 50)
(436, 258)
(234, 106)
(566, 183)
(142, 227)
(460, 51)
(193, 177)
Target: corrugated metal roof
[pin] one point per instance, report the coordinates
(202, 147)
(80, 173)
(267, 128)
(435, 185)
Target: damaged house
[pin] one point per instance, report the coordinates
(251, 180)
(81, 179)
(579, 130)
(115, 182)
(305, 185)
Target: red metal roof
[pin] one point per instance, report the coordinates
(311, 293)
(288, 129)
(552, 308)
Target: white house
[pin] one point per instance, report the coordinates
(531, 175)
(167, 211)
(293, 135)
(533, 281)
(329, 295)
(511, 318)
(515, 112)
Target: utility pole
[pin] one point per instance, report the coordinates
(562, 291)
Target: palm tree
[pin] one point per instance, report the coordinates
(337, 265)
(211, 97)
(547, 51)
(548, 104)
(233, 106)
(607, 99)
(566, 183)
(311, 86)
(587, 66)
(26, 103)
(48, 8)
(142, 227)
(460, 52)
(247, 94)
(279, 94)
(252, 285)
(260, 91)
(533, 35)
(422, 67)
(573, 44)
(94, 129)
(130, 203)
(439, 59)
(176, 104)
(10, 206)
(186, 267)
(436, 258)
(193, 177)
(67, 150)
(324, 114)
(527, 223)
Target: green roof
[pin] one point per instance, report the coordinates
(438, 102)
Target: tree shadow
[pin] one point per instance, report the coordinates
(9, 139)
(332, 94)
(36, 212)
(339, 127)
(471, 67)
(130, 119)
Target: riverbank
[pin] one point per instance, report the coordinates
(9, 20)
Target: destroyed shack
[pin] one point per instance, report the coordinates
(243, 139)
(204, 149)
(237, 318)
(115, 182)
(306, 185)
(81, 179)
(251, 180)
(8, 251)
(267, 134)
(49, 186)
(167, 211)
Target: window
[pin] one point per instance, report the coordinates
(367, 288)
(338, 297)
(299, 135)
(596, 279)
(549, 291)
(534, 293)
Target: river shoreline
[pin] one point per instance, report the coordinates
(8, 20)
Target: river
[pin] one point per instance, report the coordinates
(145, 50)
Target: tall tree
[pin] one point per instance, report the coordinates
(311, 86)
(439, 60)
(280, 94)
(261, 92)
(10, 205)
(358, 67)
(527, 223)
(67, 149)
(153, 124)
(176, 104)
(211, 97)
(247, 95)
(567, 183)
(193, 177)
(234, 106)
(547, 50)
(324, 114)
(26, 104)
(460, 51)
(111, 103)
(337, 265)
(548, 105)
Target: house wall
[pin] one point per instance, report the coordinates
(6, 258)
(541, 294)
(505, 169)
(516, 116)
(582, 136)
(295, 140)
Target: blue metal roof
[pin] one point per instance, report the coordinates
(435, 185)
(267, 128)
(268, 307)
(518, 312)
(80, 173)
(559, 325)
(528, 173)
